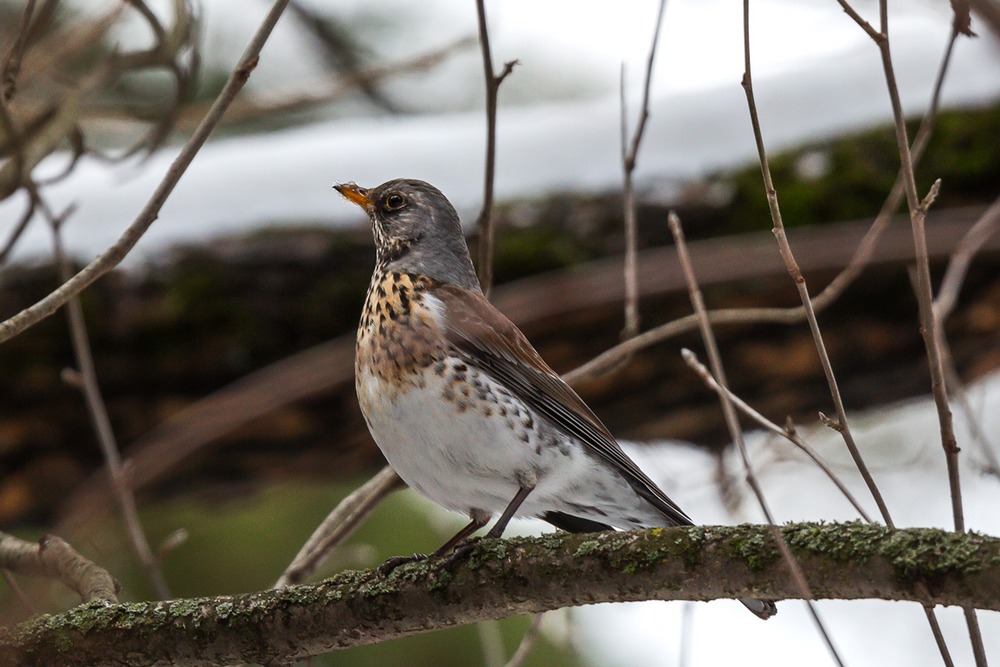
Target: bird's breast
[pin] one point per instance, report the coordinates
(399, 336)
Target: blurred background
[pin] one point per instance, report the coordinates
(224, 343)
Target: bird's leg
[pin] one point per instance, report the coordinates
(462, 549)
(478, 521)
(501, 524)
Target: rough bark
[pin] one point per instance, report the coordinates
(500, 578)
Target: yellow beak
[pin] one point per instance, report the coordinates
(356, 194)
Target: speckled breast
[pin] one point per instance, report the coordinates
(399, 335)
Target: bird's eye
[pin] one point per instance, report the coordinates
(394, 201)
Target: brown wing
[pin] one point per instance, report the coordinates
(491, 342)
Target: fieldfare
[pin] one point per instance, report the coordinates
(460, 403)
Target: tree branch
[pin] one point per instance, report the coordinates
(114, 254)
(54, 558)
(524, 575)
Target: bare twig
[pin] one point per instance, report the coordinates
(918, 213)
(931, 331)
(527, 641)
(943, 306)
(251, 106)
(787, 433)
(493, 80)
(114, 254)
(733, 424)
(951, 284)
(22, 596)
(54, 558)
(12, 60)
(628, 156)
(96, 408)
(796, 274)
(613, 357)
(18, 231)
(339, 525)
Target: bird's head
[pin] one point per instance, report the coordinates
(416, 229)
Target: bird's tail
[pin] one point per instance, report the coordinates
(763, 609)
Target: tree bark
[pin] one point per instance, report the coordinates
(501, 578)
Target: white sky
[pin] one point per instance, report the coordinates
(815, 75)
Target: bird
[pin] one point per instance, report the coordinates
(462, 406)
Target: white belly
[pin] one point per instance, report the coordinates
(471, 453)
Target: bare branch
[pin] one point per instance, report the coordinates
(96, 408)
(796, 274)
(943, 305)
(527, 641)
(485, 221)
(951, 284)
(931, 331)
(54, 558)
(787, 433)
(733, 424)
(12, 60)
(522, 575)
(339, 525)
(111, 257)
(628, 198)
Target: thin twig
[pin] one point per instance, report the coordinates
(944, 304)
(800, 283)
(787, 433)
(958, 265)
(527, 641)
(96, 408)
(613, 357)
(339, 525)
(493, 80)
(112, 256)
(22, 596)
(18, 231)
(733, 424)
(12, 61)
(931, 332)
(629, 155)
(918, 213)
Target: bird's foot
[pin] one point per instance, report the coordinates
(387, 567)
(460, 552)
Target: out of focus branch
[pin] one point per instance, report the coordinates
(54, 558)
(114, 254)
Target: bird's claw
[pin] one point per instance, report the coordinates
(391, 564)
(460, 553)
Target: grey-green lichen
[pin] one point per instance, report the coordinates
(911, 556)
(753, 545)
(927, 552)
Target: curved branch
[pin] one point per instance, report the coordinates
(54, 558)
(501, 578)
(114, 254)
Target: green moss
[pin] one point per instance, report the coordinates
(931, 552)
(924, 552)
(858, 171)
(853, 545)
(753, 546)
